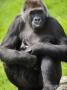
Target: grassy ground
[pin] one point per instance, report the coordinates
(10, 8)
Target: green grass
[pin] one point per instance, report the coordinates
(57, 8)
(9, 9)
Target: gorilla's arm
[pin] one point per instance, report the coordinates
(54, 51)
(11, 39)
(10, 56)
(9, 52)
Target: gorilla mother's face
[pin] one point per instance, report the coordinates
(37, 18)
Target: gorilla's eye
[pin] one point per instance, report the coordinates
(36, 12)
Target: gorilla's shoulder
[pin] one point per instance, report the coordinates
(19, 19)
(51, 19)
(53, 22)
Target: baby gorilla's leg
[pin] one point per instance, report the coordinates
(51, 72)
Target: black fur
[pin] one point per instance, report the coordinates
(32, 58)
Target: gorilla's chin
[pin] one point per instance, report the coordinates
(37, 26)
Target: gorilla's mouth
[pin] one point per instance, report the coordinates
(37, 25)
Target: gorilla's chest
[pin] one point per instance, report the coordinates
(29, 37)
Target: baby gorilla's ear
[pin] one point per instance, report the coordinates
(63, 40)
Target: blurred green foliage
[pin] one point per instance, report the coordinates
(10, 8)
(58, 9)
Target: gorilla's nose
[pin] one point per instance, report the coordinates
(37, 19)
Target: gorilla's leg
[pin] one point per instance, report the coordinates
(51, 72)
(29, 89)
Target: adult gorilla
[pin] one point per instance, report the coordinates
(31, 50)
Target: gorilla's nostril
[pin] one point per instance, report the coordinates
(39, 19)
(36, 19)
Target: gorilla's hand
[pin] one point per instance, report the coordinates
(35, 49)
